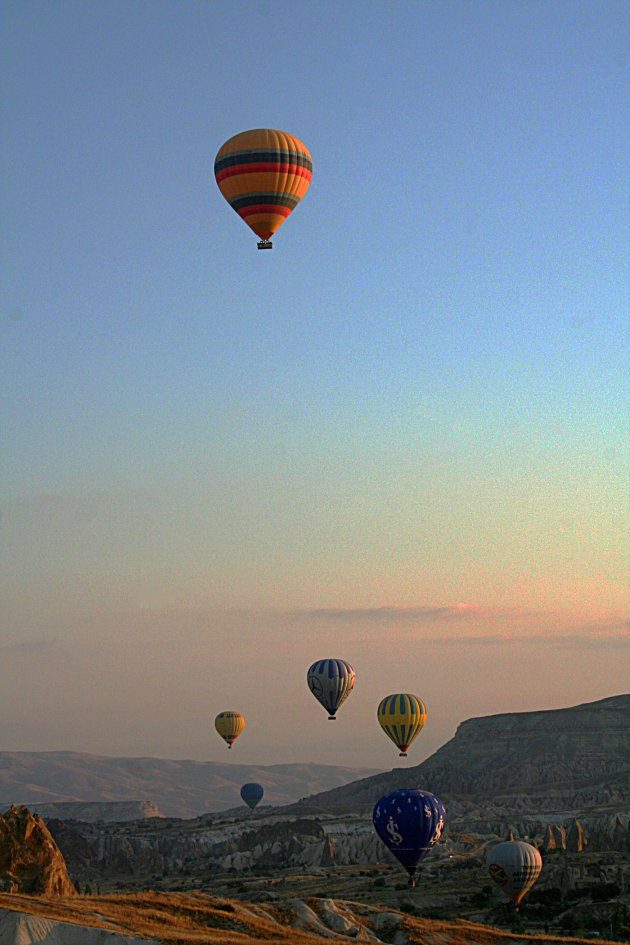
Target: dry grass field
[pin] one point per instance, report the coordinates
(178, 919)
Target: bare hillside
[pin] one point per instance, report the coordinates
(175, 919)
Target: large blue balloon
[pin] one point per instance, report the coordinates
(409, 822)
(252, 793)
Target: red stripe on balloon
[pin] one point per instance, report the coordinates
(264, 208)
(293, 169)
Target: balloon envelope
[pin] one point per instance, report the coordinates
(331, 682)
(263, 174)
(252, 793)
(514, 866)
(229, 725)
(409, 822)
(401, 716)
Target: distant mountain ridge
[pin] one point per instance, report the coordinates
(494, 768)
(176, 788)
(94, 811)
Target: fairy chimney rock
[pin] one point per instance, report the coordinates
(30, 860)
(576, 841)
(328, 852)
(555, 838)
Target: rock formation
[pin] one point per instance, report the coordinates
(576, 841)
(554, 760)
(555, 838)
(30, 860)
(328, 853)
(75, 848)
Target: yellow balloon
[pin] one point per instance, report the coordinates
(401, 716)
(229, 725)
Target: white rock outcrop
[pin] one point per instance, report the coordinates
(17, 928)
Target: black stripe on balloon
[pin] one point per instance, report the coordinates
(263, 157)
(251, 200)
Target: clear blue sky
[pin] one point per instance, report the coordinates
(399, 438)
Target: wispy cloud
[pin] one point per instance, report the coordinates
(578, 639)
(459, 624)
(390, 614)
(29, 647)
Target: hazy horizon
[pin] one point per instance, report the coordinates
(400, 438)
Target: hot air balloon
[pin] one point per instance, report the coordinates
(331, 682)
(263, 174)
(252, 793)
(229, 725)
(409, 822)
(514, 866)
(401, 716)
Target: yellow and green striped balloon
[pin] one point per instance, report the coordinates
(401, 716)
(229, 725)
(263, 174)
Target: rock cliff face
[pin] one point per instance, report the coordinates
(542, 762)
(515, 753)
(30, 860)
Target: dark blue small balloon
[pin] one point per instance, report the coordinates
(252, 793)
(409, 822)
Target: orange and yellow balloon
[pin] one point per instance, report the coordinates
(401, 716)
(229, 725)
(263, 174)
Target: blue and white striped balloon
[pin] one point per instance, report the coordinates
(331, 682)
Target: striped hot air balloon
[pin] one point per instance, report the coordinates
(263, 174)
(229, 725)
(514, 866)
(331, 682)
(401, 716)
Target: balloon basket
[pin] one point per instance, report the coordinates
(265, 244)
(332, 718)
(403, 754)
